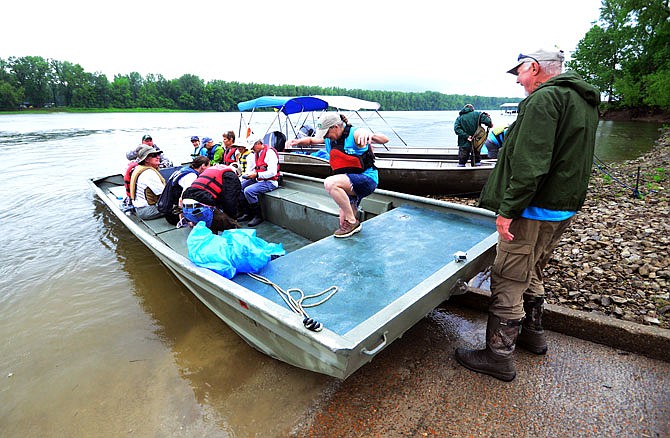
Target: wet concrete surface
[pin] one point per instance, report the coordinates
(416, 388)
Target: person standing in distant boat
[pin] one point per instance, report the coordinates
(465, 127)
(352, 161)
(537, 186)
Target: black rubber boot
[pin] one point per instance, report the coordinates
(496, 359)
(244, 211)
(258, 216)
(532, 334)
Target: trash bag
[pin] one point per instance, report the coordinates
(236, 250)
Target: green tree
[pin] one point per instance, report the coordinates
(32, 74)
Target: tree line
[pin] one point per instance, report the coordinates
(33, 81)
(626, 54)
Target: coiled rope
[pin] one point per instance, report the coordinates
(298, 305)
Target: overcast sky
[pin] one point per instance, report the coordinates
(450, 47)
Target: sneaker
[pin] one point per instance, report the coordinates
(478, 164)
(348, 229)
(461, 165)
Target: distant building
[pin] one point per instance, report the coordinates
(509, 108)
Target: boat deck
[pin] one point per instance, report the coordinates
(372, 268)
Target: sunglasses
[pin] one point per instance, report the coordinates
(522, 57)
(152, 156)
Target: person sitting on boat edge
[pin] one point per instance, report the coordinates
(226, 154)
(213, 197)
(494, 141)
(465, 127)
(146, 183)
(262, 176)
(351, 158)
(148, 141)
(169, 202)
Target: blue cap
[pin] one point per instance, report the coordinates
(206, 139)
(195, 138)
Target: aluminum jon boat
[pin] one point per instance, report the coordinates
(412, 254)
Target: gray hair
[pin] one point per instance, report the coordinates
(552, 68)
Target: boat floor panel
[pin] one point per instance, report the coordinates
(373, 267)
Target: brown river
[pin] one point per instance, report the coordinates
(98, 338)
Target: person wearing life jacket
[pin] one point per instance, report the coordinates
(215, 193)
(180, 180)
(146, 183)
(262, 176)
(148, 141)
(195, 142)
(208, 148)
(351, 159)
(242, 155)
(495, 139)
(228, 153)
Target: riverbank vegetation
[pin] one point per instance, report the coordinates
(625, 54)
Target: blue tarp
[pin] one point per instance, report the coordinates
(231, 252)
(287, 105)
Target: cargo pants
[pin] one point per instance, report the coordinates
(518, 265)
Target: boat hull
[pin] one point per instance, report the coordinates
(378, 300)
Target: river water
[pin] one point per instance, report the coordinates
(99, 339)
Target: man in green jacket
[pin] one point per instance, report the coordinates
(465, 126)
(538, 184)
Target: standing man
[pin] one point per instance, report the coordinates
(262, 176)
(538, 184)
(465, 126)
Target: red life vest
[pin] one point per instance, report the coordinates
(262, 166)
(342, 162)
(229, 156)
(211, 180)
(126, 178)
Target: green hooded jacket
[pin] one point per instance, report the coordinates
(466, 124)
(547, 154)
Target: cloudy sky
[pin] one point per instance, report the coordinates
(450, 47)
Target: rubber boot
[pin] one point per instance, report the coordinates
(258, 216)
(496, 359)
(245, 213)
(532, 334)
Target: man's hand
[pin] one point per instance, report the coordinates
(502, 225)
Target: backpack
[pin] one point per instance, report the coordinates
(172, 191)
(479, 137)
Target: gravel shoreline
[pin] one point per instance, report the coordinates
(615, 257)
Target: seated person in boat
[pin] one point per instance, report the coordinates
(352, 162)
(465, 126)
(495, 140)
(195, 142)
(208, 149)
(148, 141)
(181, 179)
(146, 183)
(213, 197)
(262, 175)
(228, 153)
(242, 155)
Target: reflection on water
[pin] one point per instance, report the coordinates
(98, 337)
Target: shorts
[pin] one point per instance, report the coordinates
(362, 185)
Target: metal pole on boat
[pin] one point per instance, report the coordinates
(387, 124)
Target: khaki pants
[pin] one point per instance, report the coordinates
(518, 265)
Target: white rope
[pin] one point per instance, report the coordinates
(298, 305)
